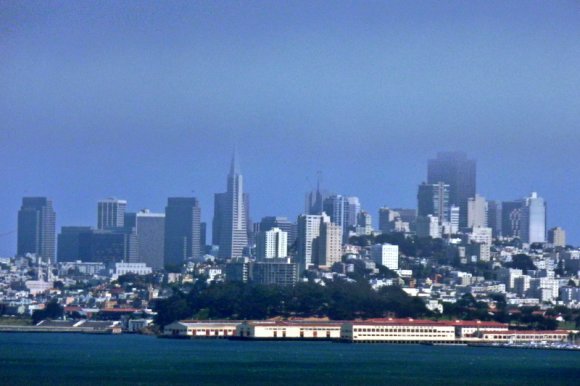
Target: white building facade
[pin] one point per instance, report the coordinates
(272, 244)
(386, 254)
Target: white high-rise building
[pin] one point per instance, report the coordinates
(232, 207)
(533, 219)
(386, 254)
(272, 244)
(477, 212)
(308, 230)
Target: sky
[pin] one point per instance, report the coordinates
(143, 100)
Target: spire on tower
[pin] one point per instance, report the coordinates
(235, 166)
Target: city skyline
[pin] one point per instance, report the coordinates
(232, 176)
(144, 102)
(185, 221)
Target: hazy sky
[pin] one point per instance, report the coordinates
(145, 100)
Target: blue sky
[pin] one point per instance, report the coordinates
(145, 100)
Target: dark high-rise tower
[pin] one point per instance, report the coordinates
(219, 205)
(230, 217)
(182, 230)
(111, 213)
(511, 218)
(459, 172)
(36, 227)
(494, 217)
(433, 199)
(69, 245)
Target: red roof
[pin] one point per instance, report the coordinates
(427, 322)
(528, 332)
(306, 323)
(209, 321)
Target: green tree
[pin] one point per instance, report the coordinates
(171, 309)
(523, 262)
(52, 310)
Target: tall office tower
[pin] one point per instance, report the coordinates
(36, 228)
(459, 172)
(476, 212)
(308, 231)
(328, 245)
(454, 212)
(557, 237)
(182, 230)
(249, 224)
(203, 237)
(69, 243)
(343, 211)
(364, 224)
(511, 218)
(386, 254)
(534, 219)
(219, 209)
(283, 223)
(150, 230)
(130, 221)
(352, 209)
(494, 217)
(335, 206)
(111, 213)
(230, 217)
(272, 244)
(433, 199)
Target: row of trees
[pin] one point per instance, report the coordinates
(468, 308)
(339, 300)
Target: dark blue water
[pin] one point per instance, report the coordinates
(73, 359)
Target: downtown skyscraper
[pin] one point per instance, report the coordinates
(230, 225)
(36, 228)
(182, 230)
(111, 213)
(534, 219)
(433, 199)
(459, 172)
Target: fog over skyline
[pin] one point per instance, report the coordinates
(146, 100)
